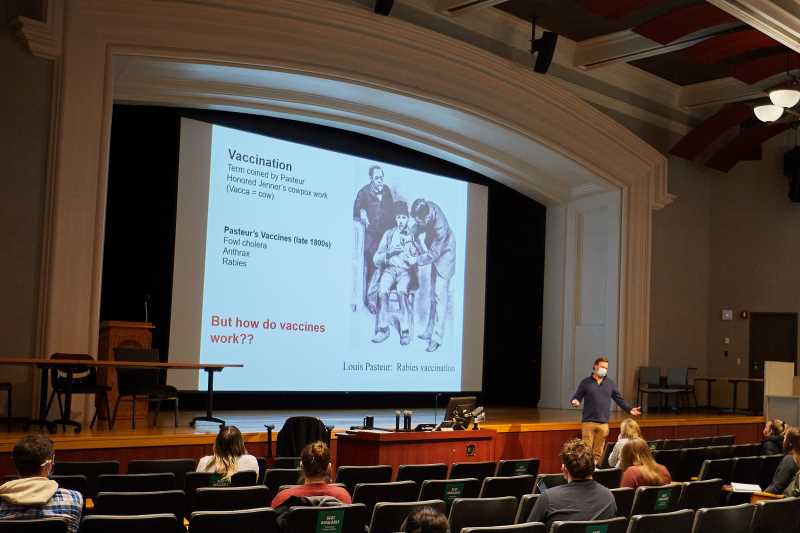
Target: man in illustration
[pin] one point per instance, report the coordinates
(439, 251)
(396, 260)
(373, 208)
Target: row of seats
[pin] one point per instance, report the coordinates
(757, 470)
(685, 463)
(691, 442)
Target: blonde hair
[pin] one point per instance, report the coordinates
(636, 452)
(228, 447)
(629, 429)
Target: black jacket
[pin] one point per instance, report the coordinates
(297, 432)
(772, 445)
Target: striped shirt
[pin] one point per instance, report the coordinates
(66, 504)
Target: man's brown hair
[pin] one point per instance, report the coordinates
(600, 360)
(30, 453)
(577, 458)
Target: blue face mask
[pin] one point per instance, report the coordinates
(602, 372)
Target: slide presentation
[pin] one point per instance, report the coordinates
(321, 271)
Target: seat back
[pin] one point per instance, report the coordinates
(776, 515)
(717, 468)
(612, 525)
(517, 467)
(482, 512)
(701, 442)
(197, 480)
(690, 464)
(298, 431)
(387, 517)
(179, 467)
(675, 444)
(548, 481)
(353, 475)
(653, 500)
(77, 483)
(747, 470)
(81, 375)
(674, 522)
(136, 482)
(286, 462)
(371, 493)
(656, 444)
(136, 503)
(151, 523)
(419, 473)
(137, 380)
(734, 519)
(230, 498)
(530, 527)
(39, 525)
(720, 452)
(670, 459)
(261, 520)
(91, 469)
(746, 450)
(343, 519)
(275, 478)
(495, 487)
(649, 376)
(525, 507)
(769, 464)
(448, 490)
(607, 449)
(479, 470)
(608, 477)
(623, 496)
(699, 494)
(723, 440)
(678, 377)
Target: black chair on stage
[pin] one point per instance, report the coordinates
(526, 504)
(137, 503)
(448, 490)
(179, 467)
(261, 520)
(482, 512)
(275, 478)
(479, 470)
(699, 494)
(343, 519)
(371, 493)
(654, 500)
(91, 469)
(517, 467)
(151, 523)
(608, 477)
(38, 525)
(387, 517)
(230, 498)
(351, 476)
(648, 381)
(164, 481)
(286, 462)
(296, 433)
(623, 496)
(717, 468)
(612, 525)
(674, 522)
(776, 515)
(733, 519)
(530, 527)
(495, 487)
(548, 481)
(147, 382)
(10, 420)
(68, 381)
(420, 473)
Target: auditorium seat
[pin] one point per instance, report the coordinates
(530, 527)
(230, 498)
(723, 440)
(495, 487)
(517, 467)
(652, 500)
(699, 494)
(612, 525)
(262, 468)
(623, 496)
(746, 470)
(608, 477)
(39, 525)
(149, 523)
(138, 503)
(371, 493)
(196, 480)
(479, 470)
(690, 463)
(675, 444)
(420, 473)
(136, 482)
(261, 520)
(481, 512)
(768, 466)
(776, 515)
(548, 481)
(607, 449)
(353, 475)
(734, 519)
(76, 482)
(720, 452)
(525, 507)
(656, 444)
(387, 517)
(353, 519)
(673, 522)
(717, 468)
(746, 450)
(449, 489)
(670, 459)
(700, 442)
(91, 469)
(179, 467)
(275, 478)
(286, 462)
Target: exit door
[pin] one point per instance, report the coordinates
(773, 337)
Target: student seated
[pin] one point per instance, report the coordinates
(639, 469)
(316, 462)
(230, 456)
(773, 437)
(628, 429)
(425, 520)
(581, 498)
(789, 465)
(34, 495)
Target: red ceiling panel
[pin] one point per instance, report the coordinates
(760, 69)
(744, 144)
(729, 45)
(683, 21)
(710, 130)
(615, 9)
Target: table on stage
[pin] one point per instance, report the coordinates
(369, 447)
(733, 381)
(44, 365)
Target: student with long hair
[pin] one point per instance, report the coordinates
(628, 429)
(316, 461)
(639, 468)
(230, 456)
(773, 437)
(789, 465)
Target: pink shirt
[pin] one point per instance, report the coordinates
(312, 489)
(633, 476)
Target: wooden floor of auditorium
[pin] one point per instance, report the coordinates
(521, 432)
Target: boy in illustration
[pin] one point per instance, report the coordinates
(395, 261)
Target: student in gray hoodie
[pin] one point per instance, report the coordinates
(34, 495)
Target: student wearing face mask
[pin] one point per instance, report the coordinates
(596, 393)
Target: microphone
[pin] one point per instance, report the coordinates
(147, 308)
(478, 411)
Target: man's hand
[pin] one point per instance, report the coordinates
(364, 219)
(636, 411)
(576, 403)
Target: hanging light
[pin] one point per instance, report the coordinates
(768, 113)
(785, 97)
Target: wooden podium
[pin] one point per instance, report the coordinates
(416, 447)
(119, 334)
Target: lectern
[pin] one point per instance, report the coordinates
(119, 334)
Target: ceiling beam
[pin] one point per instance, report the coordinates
(459, 7)
(780, 19)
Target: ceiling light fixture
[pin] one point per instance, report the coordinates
(785, 97)
(768, 113)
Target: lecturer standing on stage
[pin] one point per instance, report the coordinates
(596, 392)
